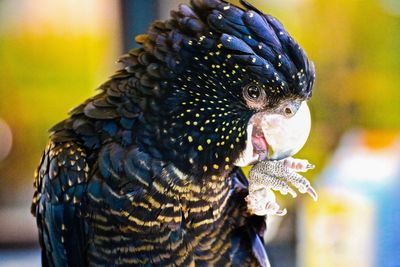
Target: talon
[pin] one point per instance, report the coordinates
(284, 189)
(281, 212)
(272, 208)
(311, 191)
(292, 192)
(310, 166)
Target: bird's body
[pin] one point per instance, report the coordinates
(154, 216)
(143, 174)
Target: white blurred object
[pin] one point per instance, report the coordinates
(355, 223)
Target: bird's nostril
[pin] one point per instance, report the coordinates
(288, 111)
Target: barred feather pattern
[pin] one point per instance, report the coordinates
(142, 173)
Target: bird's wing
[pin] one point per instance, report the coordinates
(60, 182)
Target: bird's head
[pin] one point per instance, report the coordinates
(237, 89)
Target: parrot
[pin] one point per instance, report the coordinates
(148, 172)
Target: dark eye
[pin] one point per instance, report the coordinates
(255, 96)
(254, 91)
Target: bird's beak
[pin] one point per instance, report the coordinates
(274, 137)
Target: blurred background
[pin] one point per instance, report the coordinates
(54, 54)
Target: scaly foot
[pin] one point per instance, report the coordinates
(276, 175)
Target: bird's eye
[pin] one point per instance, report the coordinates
(253, 91)
(255, 96)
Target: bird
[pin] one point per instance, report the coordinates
(148, 171)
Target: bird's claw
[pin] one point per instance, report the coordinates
(262, 202)
(310, 166)
(311, 191)
(276, 175)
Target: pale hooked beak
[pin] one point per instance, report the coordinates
(274, 136)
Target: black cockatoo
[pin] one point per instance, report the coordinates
(146, 172)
